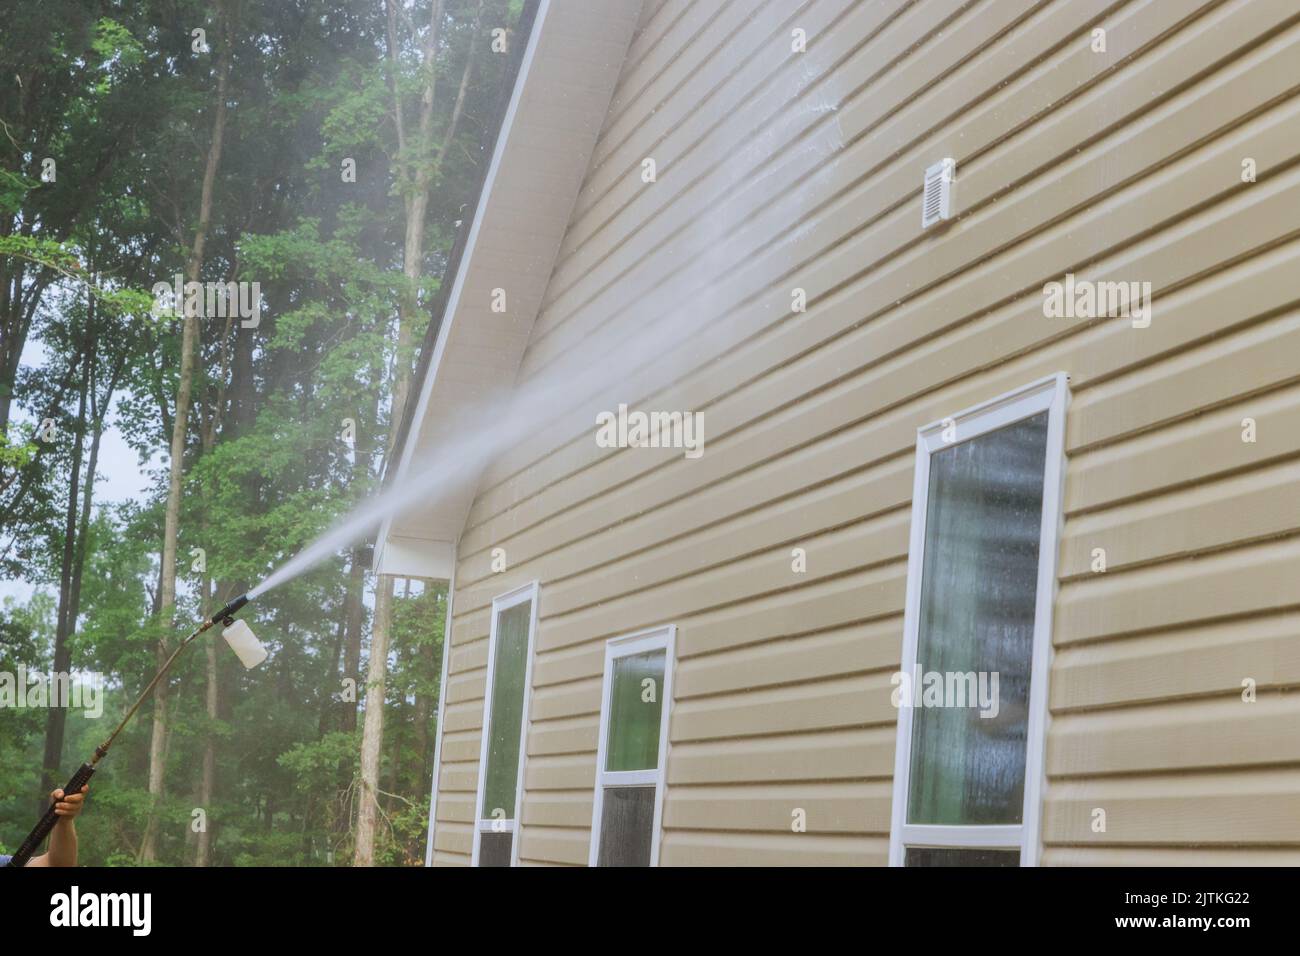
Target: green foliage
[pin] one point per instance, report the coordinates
(63, 258)
(116, 95)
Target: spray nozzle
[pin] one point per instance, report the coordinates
(230, 609)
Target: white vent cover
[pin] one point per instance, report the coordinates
(936, 203)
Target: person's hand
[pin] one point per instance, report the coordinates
(67, 807)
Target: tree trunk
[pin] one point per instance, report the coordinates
(354, 617)
(98, 411)
(372, 740)
(458, 110)
(56, 718)
(372, 736)
(415, 170)
(180, 422)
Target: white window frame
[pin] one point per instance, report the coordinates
(1049, 394)
(642, 642)
(504, 602)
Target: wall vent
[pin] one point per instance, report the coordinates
(936, 203)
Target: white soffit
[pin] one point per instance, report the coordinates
(566, 79)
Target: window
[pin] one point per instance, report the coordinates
(981, 580)
(505, 711)
(633, 749)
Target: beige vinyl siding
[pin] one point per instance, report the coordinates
(805, 171)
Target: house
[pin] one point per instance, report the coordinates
(986, 312)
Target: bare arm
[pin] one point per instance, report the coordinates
(63, 838)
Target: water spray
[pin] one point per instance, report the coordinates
(241, 640)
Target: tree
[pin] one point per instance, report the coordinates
(346, 266)
(180, 424)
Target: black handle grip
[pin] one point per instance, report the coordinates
(42, 829)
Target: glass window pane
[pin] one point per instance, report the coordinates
(507, 713)
(494, 848)
(960, 856)
(626, 825)
(636, 703)
(979, 585)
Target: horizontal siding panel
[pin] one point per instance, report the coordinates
(1214, 808)
(890, 70)
(778, 67)
(1178, 735)
(1253, 505)
(657, 17)
(826, 755)
(786, 521)
(555, 844)
(920, 262)
(468, 657)
(459, 777)
(783, 527)
(1189, 451)
(1221, 370)
(555, 808)
(454, 840)
(856, 807)
(710, 505)
(1244, 581)
(461, 745)
(1254, 218)
(1170, 856)
(567, 772)
(444, 858)
(466, 687)
(1199, 661)
(843, 702)
(568, 664)
(792, 660)
(572, 735)
(777, 116)
(467, 627)
(813, 606)
(1150, 78)
(466, 716)
(455, 807)
(828, 554)
(703, 848)
(649, 71)
(566, 700)
(719, 32)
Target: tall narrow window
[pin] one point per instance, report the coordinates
(505, 715)
(972, 691)
(633, 749)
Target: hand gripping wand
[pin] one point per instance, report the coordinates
(237, 635)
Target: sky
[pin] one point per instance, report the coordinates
(121, 477)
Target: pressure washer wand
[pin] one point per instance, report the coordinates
(87, 770)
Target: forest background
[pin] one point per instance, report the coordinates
(155, 463)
